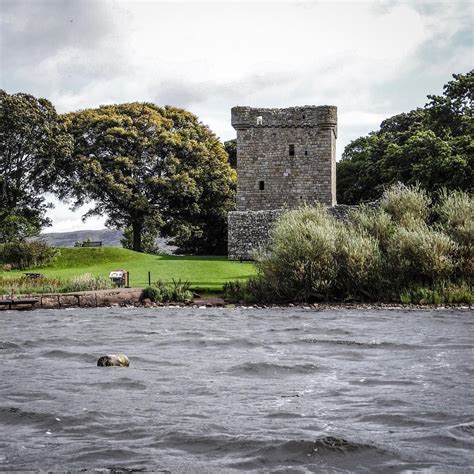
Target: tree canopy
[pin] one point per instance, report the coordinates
(33, 140)
(431, 146)
(146, 167)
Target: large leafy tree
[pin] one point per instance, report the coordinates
(146, 167)
(431, 146)
(33, 140)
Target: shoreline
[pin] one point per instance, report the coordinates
(132, 298)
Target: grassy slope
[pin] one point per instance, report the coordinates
(208, 273)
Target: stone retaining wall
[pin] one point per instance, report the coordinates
(87, 299)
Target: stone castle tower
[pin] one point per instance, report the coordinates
(285, 158)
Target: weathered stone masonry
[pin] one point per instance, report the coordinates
(285, 158)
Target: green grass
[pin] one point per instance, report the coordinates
(205, 273)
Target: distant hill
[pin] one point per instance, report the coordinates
(109, 238)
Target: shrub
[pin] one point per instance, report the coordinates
(25, 254)
(420, 255)
(301, 261)
(389, 253)
(453, 295)
(374, 222)
(360, 262)
(161, 293)
(407, 205)
(455, 212)
(152, 293)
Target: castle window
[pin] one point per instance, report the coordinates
(259, 120)
(306, 153)
(261, 185)
(304, 116)
(291, 150)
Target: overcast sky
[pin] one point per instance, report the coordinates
(370, 59)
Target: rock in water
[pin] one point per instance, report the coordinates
(112, 360)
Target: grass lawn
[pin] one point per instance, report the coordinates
(204, 273)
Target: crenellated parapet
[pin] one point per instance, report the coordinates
(308, 116)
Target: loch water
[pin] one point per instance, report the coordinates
(228, 390)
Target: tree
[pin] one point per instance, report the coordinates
(147, 165)
(431, 146)
(32, 140)
(149, 236)
(231, 149)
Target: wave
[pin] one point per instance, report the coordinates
(363, 344)
(463, 432)
(122, 383)
(17, 416)
(9, 346)
(251, 452)
(267, 368)
(66, 355)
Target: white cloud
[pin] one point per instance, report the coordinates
(371, 59)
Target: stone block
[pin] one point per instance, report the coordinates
(50, 302)
(68, 301)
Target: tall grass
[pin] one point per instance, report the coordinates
(26, 286)
(404, 246)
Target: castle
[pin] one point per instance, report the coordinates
(285, 158)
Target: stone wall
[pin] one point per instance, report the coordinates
(249, 229)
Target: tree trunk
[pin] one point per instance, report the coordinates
(137, 227)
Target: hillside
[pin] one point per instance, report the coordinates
(108, 237)
(208, 273)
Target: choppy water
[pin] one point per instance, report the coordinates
(223, 390)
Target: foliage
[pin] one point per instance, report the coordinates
(25, 285)
(407, 206)
(450, 295)
(87, 282)
(26, 254)
(146, 165)
(149, 236)
(178, 292)
(231, 149)
(455, 213)
(379, 253)
(33, 140)
(302, 259)
(431, 146)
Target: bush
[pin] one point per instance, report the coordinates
(24, 254)
(407, 205)
(455, 213)
(301, 262)
(389, 253)
(152, 293)
(374, 222)
(161, 293)
(450, 295)
(360, 263)
(420, 256)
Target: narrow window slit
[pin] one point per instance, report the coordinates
(291, 150)
(261, 185)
